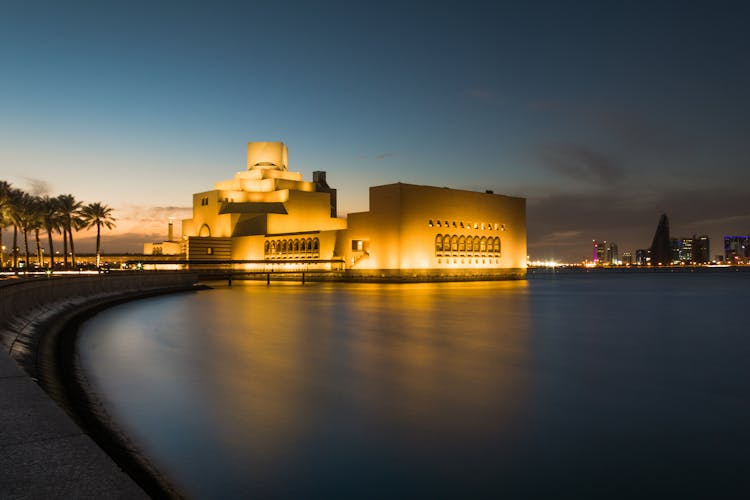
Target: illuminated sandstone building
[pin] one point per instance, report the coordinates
(270, 219)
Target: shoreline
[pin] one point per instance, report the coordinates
(56, 434)
(62, 377)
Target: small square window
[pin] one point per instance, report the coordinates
(210, 251)
(358, 245)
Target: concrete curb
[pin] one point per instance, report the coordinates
(43, 453)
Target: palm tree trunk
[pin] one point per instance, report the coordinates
(72, 248)
(98, 242)
(26, 246)
(65, 247)
(51, 249)
(39, 256)
(15, 248)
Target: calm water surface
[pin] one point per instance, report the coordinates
(577, 385)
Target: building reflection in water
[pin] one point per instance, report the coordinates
(317, 389)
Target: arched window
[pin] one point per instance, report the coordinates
(439, 243)
(316, 245)
(454, 243)
(266, 247)
(205, 231)
(483, 244)
(475, 245)
(296, 246)
(462, 244)
(497, 245)
(283, 246)
(308, 245)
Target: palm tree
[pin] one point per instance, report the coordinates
(36, 221)
(52, 221)
(70, 215)
(97, 214)
(5, 190)
(15, 198)
(21, 214)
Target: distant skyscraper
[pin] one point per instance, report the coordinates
(600, 252)
(642, 257)
(701, 249)
(736, 248)
(612, 254)
(627, 258)
(675, 245)
(661, 249)
(686, 249)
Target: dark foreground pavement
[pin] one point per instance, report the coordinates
(43, 454)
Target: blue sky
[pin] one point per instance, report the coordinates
(602, 114)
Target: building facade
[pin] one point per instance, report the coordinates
(267, 217)
(736, 249)
(424, 231)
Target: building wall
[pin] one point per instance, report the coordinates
(208, 248)
(306, 211)
(399, 232)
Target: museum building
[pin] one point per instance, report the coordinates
(269, 218)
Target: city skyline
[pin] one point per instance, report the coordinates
(603, 117)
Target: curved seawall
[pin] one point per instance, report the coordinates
(43, 453)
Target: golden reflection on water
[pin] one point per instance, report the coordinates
(448, 390)
(422, 358)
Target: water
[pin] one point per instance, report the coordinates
(572, 386)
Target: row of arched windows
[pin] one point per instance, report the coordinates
(453, 244)
(300, 247)
(468, 225)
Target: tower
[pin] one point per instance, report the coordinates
(661, 248)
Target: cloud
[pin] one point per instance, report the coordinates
(38, 187)
(564, 237)
(113, 242)
(629, 217)
(154, 214)
(579, 162)
(383, 156)
(638, 133)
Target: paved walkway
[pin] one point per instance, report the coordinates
(43, 454)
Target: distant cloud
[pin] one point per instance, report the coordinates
(113, 242)
(739, 221)
(38, 187)
(154, 214)
(580, 162)
(629, 217)
(383, 156)
(639, 133)
(564, 237)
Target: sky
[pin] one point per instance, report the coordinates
(603, 115)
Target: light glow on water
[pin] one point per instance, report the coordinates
(573, 384)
